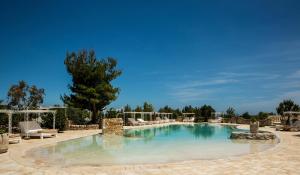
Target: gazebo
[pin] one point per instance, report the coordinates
(10, 113)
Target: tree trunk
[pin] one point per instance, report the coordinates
(94, 116)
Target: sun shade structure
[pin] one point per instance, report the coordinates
(163, 114)
(291, 115)
(186, 114)
(37, 111)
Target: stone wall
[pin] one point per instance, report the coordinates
(71, 126)
(253, 136)
(112, 126)
(239, 120)
(265, 122)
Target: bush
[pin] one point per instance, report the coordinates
(111, 113)
(262, 115)
(246, 115)
(76, 116)
(60, 120)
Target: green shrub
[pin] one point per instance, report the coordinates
(2, 131)
(262, 115)
(76, 115)
(60, 120)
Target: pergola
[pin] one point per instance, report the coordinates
(37, 111)
(187, 114)
(291, 114)
(166, 114)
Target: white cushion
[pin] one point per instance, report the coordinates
(140, 120)
(34, 130)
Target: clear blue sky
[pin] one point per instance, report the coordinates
(244, 54)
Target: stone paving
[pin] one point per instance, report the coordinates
(284, 158)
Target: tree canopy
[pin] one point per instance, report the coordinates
(188, 109)
(91, 86)
(166, 109)
(230, 112)
(22, 96)
(206, 111)
(127, 108)
(246, 115)
(287, 105)
(147, 107)
(138, 109)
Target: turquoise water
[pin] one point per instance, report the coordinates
(151, 145)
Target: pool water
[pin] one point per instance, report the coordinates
(163, 144)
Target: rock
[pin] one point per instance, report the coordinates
(253, 136)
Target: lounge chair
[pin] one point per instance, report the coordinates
(155, 121)
(166, 120)
(172, 120)
(133, 122)
(159, 120)
(192, 119)
(142, 121)
(186, 119)
(33, 129)
(169, 120)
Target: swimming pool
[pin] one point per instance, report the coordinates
(172, 143)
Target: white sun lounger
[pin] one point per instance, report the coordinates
(33, 129)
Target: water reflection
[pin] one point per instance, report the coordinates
(150, 133)
(196, 130)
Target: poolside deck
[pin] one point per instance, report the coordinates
(282, 159)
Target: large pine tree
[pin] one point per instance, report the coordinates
(91, 86)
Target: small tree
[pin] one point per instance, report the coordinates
(166, 108)
(36, 97)
(127, 108)
(188, 109)
(147, 107)
(206, 111)
(21, 96)
(287, 105)
(111, 113)
(230, 112)
(246, 115)
(60, 120)
(262, 115)
(91, 86)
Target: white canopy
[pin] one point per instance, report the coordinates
(150, 113)
(37, 111)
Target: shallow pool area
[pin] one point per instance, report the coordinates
(162, 144)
